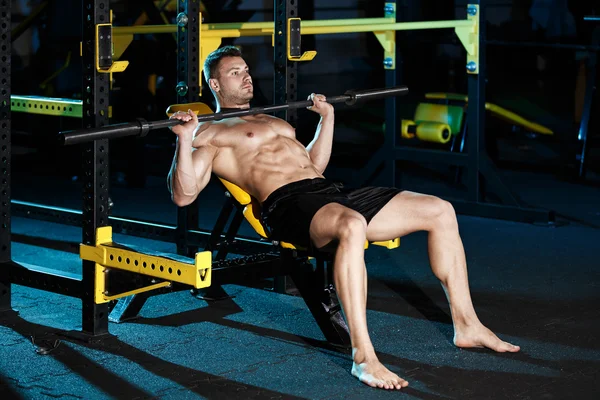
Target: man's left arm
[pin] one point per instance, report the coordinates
(319, 149)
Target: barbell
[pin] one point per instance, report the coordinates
(141, 127)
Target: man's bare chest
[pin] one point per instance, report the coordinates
(250, 132)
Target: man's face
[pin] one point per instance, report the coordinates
(234, 82)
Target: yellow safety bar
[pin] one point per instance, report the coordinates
(107, 254)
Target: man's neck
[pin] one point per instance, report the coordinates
(225, 109)
(232, 107)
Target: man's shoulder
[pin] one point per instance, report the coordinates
(269, 116)
(213, 126)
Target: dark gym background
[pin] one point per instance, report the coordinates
(536, 285)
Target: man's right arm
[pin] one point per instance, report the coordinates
(191, 167)
(190, 172)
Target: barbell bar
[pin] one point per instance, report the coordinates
(141, 127)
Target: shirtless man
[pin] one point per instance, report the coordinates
(261, 155)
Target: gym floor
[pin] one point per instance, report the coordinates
(534, 285)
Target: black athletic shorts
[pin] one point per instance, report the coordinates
(288, 211)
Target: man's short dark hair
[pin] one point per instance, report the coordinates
(211, 64)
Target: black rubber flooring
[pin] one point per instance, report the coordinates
(536, 286)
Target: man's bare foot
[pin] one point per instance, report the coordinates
(480, 336)
(370, 371)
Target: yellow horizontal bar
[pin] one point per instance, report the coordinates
(400, 26)
(46, 106)
(232, 30)
(144, 29)
(234, 33)
(303, 24)
(217, 32)
(338, 22)
(171, 28)
(197, 275)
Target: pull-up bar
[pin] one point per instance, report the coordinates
(318, 27)
(141, 127)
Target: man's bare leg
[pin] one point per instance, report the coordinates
(335, 222)
(409, 212)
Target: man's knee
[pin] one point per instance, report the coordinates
(351, 225)
(443, 212)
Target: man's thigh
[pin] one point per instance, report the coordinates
(326, 223)
(405, 213)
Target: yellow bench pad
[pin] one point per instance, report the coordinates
(197, 108)
(252, 215)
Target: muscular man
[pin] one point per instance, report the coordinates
(261, 155)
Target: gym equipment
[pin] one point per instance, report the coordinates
(436, 123)
(141, 127)
(439, 123)
(496, 111)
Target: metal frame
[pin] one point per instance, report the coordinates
(145, 229)
(383, 29)
(95, 176)
(286, 71)
(479, 164)
(95, 87)
(190, 80)
(481, 169)
(285, 76)
(189, 77)
(590, 89)
(5, 236)
(94, 218)
(381, 166)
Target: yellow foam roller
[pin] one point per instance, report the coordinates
(433, 132)
(408, 129)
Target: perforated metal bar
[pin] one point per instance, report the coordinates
(5, 52)
(95, 172)
(194, 272)
(286, 72)
(188, 69)
(188, 52)
(46, 106)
